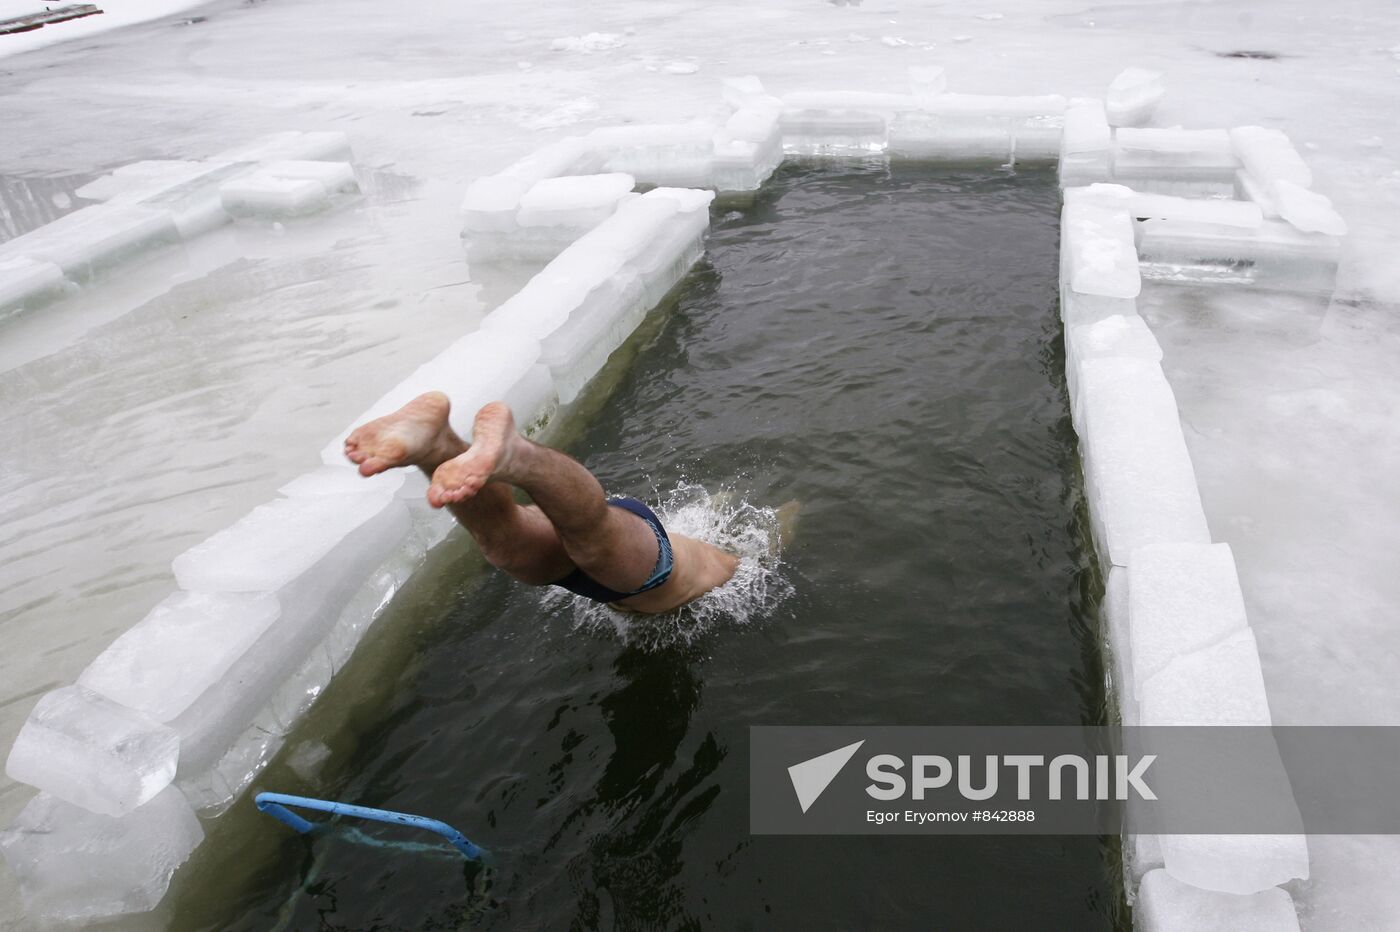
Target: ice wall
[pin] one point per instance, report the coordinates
(1179, 644)
(158, 203)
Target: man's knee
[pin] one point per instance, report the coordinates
(522, 562)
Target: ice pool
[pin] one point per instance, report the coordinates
(881, 345)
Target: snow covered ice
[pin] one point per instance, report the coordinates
(1117, 335)
(1168, 905)
(1220, 684)
(578, 201)
(1181, 597)
(1137, 473)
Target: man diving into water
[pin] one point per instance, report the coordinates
(610, 550)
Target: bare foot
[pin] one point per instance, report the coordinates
(494, 441)
(415, 435)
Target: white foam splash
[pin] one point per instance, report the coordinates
(752, 595)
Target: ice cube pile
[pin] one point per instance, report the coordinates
(1207, 206)
(539, 205)
(156, 203)
(1201, 207)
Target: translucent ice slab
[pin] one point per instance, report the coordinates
(1174, 154)
(1181, 597)
(749, 147)
(1133, 96)
(1138, 475)
(26, 283)
(1165, 904)
(1100, 253)
(840, 122)
(1307, 210)
(1274, 255)
(973, 127)
(180, 651)
(335, 177)
(579, 202)
(87, 750)
(480, 367)
(1086, 148)
(89, 240)
(504, 219)
(1117, 335)
(614, 275)
(157, 173)
(1269, 156)
(1220, 684)
(314, 553)
(262, 194)
(291, 145)
(74, 865)
(663, 154)
(1119, 643)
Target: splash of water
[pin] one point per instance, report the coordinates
(755, 591)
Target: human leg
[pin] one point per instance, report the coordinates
(613, 546)
(518, 539)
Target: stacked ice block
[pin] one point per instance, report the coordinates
(1179, 647)
(83, 748)
(157, 203)
(93, 239)
(77, 866)
(534, 208)
(1165, 904)
(507, 220)
(659, 154)
(27, 283)
(1086, 146)
(1193, 162)
(975, 127)
(1099, 274)
(1276, 177)
(1133, 96)
(749, 147)
(838, 123)
(636, 274)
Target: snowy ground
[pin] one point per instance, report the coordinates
(122, 452)
(113, 16)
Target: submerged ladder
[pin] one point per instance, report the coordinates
(276, 805)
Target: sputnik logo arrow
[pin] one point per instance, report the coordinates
(811, 777)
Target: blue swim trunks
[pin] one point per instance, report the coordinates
(581, 583)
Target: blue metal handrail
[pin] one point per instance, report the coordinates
(275, 805)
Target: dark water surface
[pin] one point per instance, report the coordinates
(882, 346)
